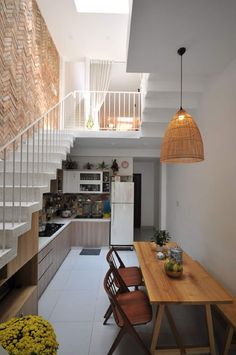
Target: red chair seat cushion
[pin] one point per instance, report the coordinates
(131, 275)
(136, 306)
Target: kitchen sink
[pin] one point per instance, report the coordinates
(50, 229)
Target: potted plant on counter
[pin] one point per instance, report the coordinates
(160, 237)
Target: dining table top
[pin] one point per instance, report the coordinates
(195, 286)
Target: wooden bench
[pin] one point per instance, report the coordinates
(229, 313)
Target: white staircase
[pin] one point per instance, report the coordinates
(161, 99)
(27, 165)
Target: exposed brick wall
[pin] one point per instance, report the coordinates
(29, 67)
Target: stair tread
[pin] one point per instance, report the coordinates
(25, 187)
(4, 252)
(17, 204)
(10, 226)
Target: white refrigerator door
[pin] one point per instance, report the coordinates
(122, 222)
(122, 192)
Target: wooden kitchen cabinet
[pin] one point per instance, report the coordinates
(90, 233)
(51, 257)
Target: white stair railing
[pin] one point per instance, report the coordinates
(28, 154)
(104, 110)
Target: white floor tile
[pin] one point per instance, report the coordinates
(75, 306)
(85, 280)
(47, 302)
(73, 338)
(59, 280)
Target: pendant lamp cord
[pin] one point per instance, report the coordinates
(181, 80)
(181, 51)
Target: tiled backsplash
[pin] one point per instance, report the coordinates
(54, 204)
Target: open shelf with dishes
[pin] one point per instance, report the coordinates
(96, 181)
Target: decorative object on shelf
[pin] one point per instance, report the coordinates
(182, 142)
(88, 166)
(159, 238)
(28, 335)
(173, 269)
(69, 163)
(125, 164)
(90, 122)
(114, 167)
(103, 166)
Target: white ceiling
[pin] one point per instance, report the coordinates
(76, 35)
(159, 27)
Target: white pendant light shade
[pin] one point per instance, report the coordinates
(182, 142)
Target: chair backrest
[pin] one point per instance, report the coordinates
(113, 257)
(110, 286)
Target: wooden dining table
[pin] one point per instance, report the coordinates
(195, 287)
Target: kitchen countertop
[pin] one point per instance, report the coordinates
(43, 241)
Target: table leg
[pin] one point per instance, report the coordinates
(157, 327)
(210, 329)
(228, 340)
(175, 331)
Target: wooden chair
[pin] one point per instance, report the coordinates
(229, 313)
(127, 276)
(129, 309)
(131, 275)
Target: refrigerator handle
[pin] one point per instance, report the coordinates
(112, 213)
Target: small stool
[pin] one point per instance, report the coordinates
(229, 313)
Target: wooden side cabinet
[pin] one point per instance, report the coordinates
(90, 233)
(51, 257)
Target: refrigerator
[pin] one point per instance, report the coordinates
(122, 213)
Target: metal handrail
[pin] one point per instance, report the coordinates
(34, 123)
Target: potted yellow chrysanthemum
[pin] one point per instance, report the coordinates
(28, 335)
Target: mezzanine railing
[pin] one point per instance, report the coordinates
(100, 110)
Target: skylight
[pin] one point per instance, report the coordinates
(102, 6)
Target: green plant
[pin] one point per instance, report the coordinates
(69, 163)
(88, 166)
(161, 237)
(102, 166)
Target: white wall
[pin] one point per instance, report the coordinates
(122, 81)
(82, 160)
(75, 76)
(201, 198)
(146, 168)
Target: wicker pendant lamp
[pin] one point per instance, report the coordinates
(182, 142)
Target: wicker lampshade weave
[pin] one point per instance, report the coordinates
(182, 142)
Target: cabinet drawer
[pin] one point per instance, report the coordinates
(45, 263)
(45, 251)
(45, 279)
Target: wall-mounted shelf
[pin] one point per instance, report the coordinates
(96, 181)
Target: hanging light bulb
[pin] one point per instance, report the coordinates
(182, 142)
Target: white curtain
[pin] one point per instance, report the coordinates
(100, 75)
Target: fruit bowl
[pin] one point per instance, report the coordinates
(174, 274)
(173, 269)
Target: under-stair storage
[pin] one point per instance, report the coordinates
(18, 283)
